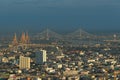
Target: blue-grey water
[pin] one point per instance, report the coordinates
(59, 15)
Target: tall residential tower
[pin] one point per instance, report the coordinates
(24, 62)
(40, 57)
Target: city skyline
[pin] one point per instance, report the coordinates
(59, 40)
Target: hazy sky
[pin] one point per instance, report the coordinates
(62, 15)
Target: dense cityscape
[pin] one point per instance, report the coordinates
(50, 56)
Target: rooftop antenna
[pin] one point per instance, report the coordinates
(80, 31)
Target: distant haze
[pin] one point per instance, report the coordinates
(59, 15)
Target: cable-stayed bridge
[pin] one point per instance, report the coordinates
(78, 34)
(48, 34)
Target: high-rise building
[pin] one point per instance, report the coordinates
(23, 38)
(40, 57)
(24, 62)
(15, 42)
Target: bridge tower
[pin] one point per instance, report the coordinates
(47, 34)
(27, 38)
